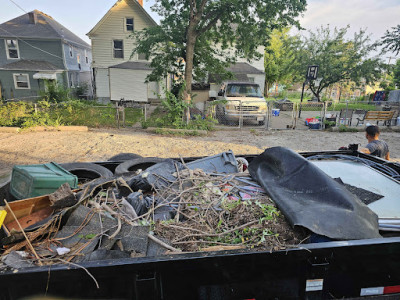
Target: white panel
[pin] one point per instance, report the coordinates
(128, 84)
(102, 83)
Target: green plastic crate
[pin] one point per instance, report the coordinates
(29, 181)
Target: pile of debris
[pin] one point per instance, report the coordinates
(170, 207)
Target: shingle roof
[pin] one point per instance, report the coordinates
(133, 65)
(244, 68)
(30, 65)
(45, 28)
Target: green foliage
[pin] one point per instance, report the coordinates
(396, 74)
(391, 40)
(81, 90)
(277, 58)
(71, 112)
(54, 92)
(175, 107)
(190, 30)
(340, 60)
(172, 114)
(344, 128)
(24, 115)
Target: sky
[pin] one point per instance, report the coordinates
(80, 16)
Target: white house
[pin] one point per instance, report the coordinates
(117, 73)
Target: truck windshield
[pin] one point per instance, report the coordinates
(243, 90)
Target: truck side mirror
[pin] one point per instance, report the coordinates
(221, 93)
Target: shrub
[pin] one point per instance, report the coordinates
(54, 92)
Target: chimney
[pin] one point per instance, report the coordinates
(32, 17)
(140, 2)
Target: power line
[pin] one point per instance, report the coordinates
(37, 48)
(18, 6)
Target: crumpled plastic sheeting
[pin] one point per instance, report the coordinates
(310, 198)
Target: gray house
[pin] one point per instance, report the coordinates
(34, 48)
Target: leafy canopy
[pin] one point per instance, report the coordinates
(340, 59)
(210, 34)
(277, 58)
(391, 40)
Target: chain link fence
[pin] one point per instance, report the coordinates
(238, 113)
(285, 114)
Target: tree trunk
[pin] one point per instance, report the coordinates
(266, 88)
(190, 43)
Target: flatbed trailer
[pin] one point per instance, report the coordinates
(355, 269)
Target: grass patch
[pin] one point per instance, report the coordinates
(344, 128)
(72, 112)
(183, 132)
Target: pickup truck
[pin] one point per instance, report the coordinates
(241, 101)
(350, 269)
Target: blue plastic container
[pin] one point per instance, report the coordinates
(275, 112)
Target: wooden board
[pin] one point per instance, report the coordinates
(25, 207)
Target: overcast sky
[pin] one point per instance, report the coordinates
(80, 16)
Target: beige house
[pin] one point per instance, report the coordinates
(117, 73)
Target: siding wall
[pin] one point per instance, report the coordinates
(9, 91)
(113, 29)
(28, 52)
(72, 62)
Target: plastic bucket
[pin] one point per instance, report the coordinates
(275, 112)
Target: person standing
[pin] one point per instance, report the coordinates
(375, 146)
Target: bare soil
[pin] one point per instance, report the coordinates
(100, 144)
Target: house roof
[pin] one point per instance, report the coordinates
(133, 65)
(244, 68)
(135, 2)
(30, 65)
(240, 72)
(45, 28)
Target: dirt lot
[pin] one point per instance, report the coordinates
(96, 145)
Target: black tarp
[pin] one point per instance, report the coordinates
(310, 198)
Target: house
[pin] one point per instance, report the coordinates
(33, 48)
(117, 73)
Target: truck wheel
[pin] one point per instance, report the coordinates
(261, 123)
(87, 171)
(136, 164)
(124, 157)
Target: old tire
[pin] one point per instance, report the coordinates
(136, 164)
(124, 157)
(87, 171)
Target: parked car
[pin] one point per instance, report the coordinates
(241, 100)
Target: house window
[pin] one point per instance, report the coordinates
(78, 59)
(142, 56)
(251, 79)
(128, 24)
(86, 57)
(21, 81)
(12, 49)
(71, 53)
(118, 49)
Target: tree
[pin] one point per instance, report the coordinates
(340, 60)
(277, 58)
(396, 74)
(210, 34)
(391, 40)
